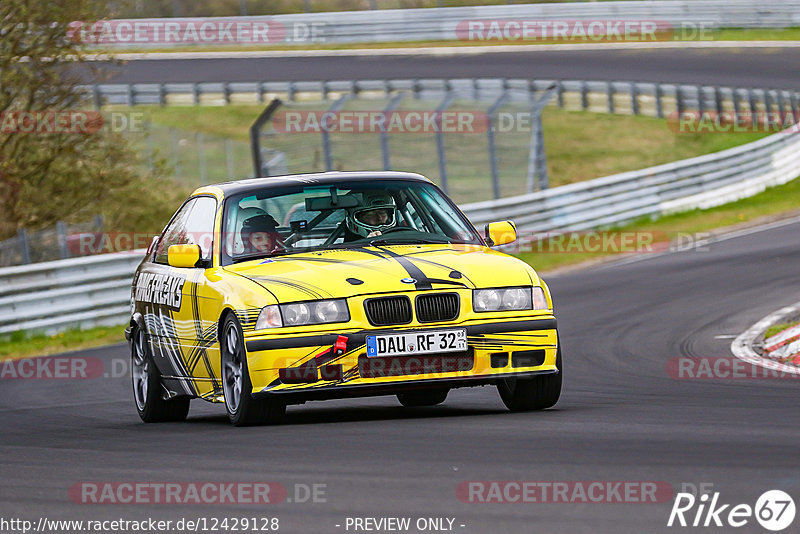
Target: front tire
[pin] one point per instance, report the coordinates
(147, 388)
(430, 397)
(536, 393)
(243, 409)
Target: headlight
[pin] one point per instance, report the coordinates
(318, 312)
(270, 317)
(539, 300)
(508, 299)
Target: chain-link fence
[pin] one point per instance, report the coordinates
(455, 143)
(63, 241)
(194, 158)
(474, 149)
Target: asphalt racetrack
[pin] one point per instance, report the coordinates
(622, 417)
(773, 68)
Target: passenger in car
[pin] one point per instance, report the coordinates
(260, 234)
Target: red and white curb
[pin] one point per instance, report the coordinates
(742, 346)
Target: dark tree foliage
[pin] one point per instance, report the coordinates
(71, 174)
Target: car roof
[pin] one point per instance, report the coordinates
(320, 178)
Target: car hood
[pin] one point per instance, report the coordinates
(340, 273)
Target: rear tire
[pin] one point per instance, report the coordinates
(536, 393)
(243, 409)
(430, 397)
(148, 393)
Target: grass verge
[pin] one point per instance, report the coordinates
(580, 145)
(777, 328)
(780, 200)
(17, 345)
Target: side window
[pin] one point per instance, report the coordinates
(193, 225)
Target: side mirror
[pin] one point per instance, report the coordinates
(186, 256)
(500, 233)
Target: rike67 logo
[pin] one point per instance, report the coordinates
(774, 510)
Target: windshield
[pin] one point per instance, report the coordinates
(286, 220)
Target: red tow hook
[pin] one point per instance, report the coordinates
(340, 347)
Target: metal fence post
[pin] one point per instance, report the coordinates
(448, 99)
(659, 101)
(61, 232)
(384, 135)
(560, 91)
(751, 100)
(260, 92)
(718, 99)
(129, 95)
(781, 100)
(326, 136)
(196, 93)
(490, 117)
(737, 103)
(701, 101)
(24, 246)
(634, 98)
(537, 160)
(584, 96)
(162, 94)
(679, 104)
(610, 96)
(98, 97)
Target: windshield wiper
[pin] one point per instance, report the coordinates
(265, 255)
(407, 241)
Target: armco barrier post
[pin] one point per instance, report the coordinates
(659, 101)
(610, 96)
(61, 232)
(24, 246)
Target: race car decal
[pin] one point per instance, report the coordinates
(310, 290)
(160, 288)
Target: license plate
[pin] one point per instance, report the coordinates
(426, 342)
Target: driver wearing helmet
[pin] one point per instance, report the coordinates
(376, 214)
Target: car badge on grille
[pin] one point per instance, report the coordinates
(408, 281)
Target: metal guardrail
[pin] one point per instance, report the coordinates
(431, 24)
(656, 99)
(79, 292)
(701, 182)
(96, 290)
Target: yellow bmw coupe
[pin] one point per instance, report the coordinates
(266, 292)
